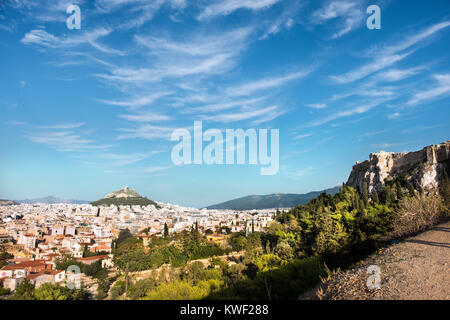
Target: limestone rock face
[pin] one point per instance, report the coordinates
(125, 192)
(423, 168)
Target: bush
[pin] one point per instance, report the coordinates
(141, 287)
(417, 214)
(118, 289)
(183, 290)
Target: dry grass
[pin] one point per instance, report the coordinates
(417, 214)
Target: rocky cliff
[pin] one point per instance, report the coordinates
(423, 168)
(125, 192)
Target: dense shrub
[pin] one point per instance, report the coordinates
(416, 214)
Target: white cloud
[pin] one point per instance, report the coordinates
(44, 39)
(378, 64)
(226, 7)
(393, 75)
(226, 105)
(136, 101)
(317, 105)
(16, 123)
(145, 117)
(349, 13)
(66, 141)
(393, 115)
(147, 132)
(154, 169)
(360, 109)
(389, 54)
(295, 173)
(195, 54)
(266, 114)
(125, 159)
(267, 83)
(441, 89)
(302, 136)
(64, 126)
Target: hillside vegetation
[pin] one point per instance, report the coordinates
(131, 201)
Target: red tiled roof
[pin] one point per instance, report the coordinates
(104, 256)
(24, 264)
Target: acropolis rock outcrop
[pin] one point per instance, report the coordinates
(423, 168)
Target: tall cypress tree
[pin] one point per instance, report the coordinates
(412, 192)
(166, 230)
(376, 199)
(365, 193)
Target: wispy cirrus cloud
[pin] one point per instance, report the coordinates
(249, 88)
(45, 40)
(66, 141)
(317, 105)
(154, 169)
(135, 102)
(63, 126)
(441, 89)
(395, 74)
(302, 136)
(117, 160)
(349, 16)
(16, 123)
(296, 173)
(197, 54)
(264, 115)
(148, 116)
(146, 132)
(353, 110)
(226, 7)
(378, 64)
(389, 54)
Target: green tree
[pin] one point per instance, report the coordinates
(124, 235)
(25, 291)
(399, 191)
(412, 192)
(166, 230)
(376, 199)
(4, 257)
(49, 291)
(444, 190)
(365, 193)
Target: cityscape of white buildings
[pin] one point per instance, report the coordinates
(37, 234)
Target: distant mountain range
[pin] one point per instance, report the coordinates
(274, 200)
(51, 200)
(124, 197)
(7, 202)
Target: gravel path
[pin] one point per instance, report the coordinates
(416, 268)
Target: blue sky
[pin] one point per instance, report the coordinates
(87, 111)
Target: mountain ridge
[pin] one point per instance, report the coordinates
(51, 200)
(274, 200)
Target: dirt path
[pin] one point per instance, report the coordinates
(416, 268)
